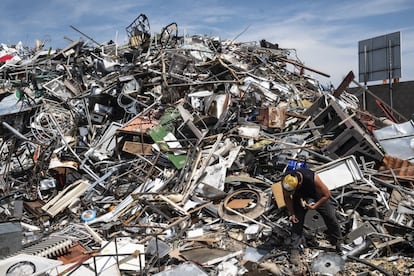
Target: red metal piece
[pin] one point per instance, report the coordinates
(386, 111)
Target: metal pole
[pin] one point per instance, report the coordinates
(364, 99)
(85, 35)
(390, 71)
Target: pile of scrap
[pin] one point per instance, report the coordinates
(165, 156)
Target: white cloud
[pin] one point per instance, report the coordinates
(361, 9)
(324, 33)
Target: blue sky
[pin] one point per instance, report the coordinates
(324, 33)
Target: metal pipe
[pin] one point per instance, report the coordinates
(89, 194)
(364, 94)
(389, 185)
(286, 133)
(357, 250)
(247, 217)
(303, 66)
(16, 132)
(85, 35)
(390, 70)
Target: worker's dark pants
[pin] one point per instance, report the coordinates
(327, 211)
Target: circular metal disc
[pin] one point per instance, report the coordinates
(328, 264)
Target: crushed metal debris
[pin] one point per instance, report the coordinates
(165, 156)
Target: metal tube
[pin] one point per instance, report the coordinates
(16, 132)
(390, 70)
(389, 185)
(83, 166)
(85, 35)
(364, 94)
(357, 250)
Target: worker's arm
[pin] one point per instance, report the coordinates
(321, 189)
(289, 204)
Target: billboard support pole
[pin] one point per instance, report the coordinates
(364, 95)
(379, 58)
(390, 70)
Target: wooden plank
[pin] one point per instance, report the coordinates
(239, 203)
(278, 194)
(344, 84)
(137, 148)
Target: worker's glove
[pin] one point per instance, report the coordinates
(307, 203)
(293, 219)
(310, 206)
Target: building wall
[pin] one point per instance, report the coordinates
(402, 96)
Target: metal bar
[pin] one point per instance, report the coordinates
(85, 35)
(246, 217)
(286, 133)
(303, 66)
(99, 181)
(364, 94)
(116, 252)
(158, 254)
(83, 166)
(389, 185)
(18, 134)
(344, 84)
(390, 71)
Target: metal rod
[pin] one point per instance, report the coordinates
(247, 217)
(83, 166)
(389, 185)
(303, 66)
(116, 252)
(364, 94)
(390, 71)
(85, 35)
(17, 133)
(287, 133)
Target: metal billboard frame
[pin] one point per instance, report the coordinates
(379, 58)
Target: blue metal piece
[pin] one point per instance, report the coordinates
(88, 215)
(293, 165)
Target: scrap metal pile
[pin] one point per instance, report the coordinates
(165, 155)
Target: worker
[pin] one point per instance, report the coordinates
(304, 190)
